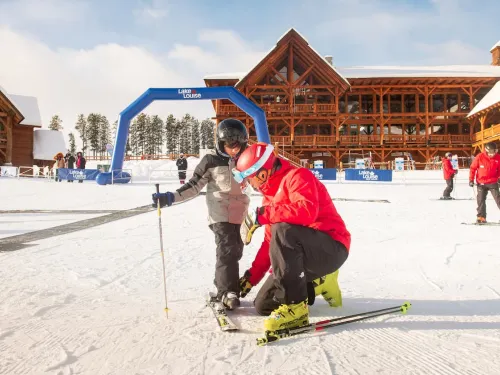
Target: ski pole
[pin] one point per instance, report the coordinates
(272, 336)
(161, 249)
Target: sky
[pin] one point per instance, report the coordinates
(83, 56)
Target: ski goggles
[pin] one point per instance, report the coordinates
(240, 176)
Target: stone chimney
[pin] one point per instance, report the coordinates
(330, 58)
(495, 54)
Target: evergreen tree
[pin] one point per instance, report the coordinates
(195, 136)
(155, 141)
(142, 126)
(184, 134)
(207, 134)
(81, 126)
(170, 125)
(114, 129)
(55, 123)
(93, 125)
(104, 134)
(133, 138)
(72, 143)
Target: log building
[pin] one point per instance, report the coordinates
(318, 111)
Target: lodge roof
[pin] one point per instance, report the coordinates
(440, 71)
(491, 99)
(495, 46)
(27, 106)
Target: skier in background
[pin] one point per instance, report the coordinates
(80, 163)
(227, 205)
(182, 166)
(305, 243)
(449, 173)
(485, 169)
(70, 162)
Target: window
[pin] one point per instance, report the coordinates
(396, 106)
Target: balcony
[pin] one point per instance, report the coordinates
(279, 109)
(489, 134)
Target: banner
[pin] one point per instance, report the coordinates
(77, 174)
(7, 171)
(374, 175)
(329, 174)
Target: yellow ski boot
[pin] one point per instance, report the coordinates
(328, 287)
(288, 316)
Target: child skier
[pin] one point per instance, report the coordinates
(227, 205)
(487, 167)
(449, 173)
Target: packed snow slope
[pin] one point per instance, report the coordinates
(91, 301)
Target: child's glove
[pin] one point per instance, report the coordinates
(250, 225)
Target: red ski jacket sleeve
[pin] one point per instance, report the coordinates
(473, 169)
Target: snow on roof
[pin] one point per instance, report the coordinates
(495, 46)
(442, 71)
(47, 143)
(491, 98)
(27, 105)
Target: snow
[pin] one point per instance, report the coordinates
(27, 105)
(91, 301)
(491, 98)
(47, 143)
(495, 46)
(441, 71)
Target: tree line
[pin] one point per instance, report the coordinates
(148, 134)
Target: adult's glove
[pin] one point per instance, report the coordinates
(166, 199)
(471, 183)
(245, 285)
(250, 225)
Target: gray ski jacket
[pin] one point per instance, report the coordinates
(225, 200)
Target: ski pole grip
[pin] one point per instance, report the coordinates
(157, 188)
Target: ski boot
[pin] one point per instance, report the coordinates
(328, 287)
(481, 220)
(288, 316)
(230, 300)
(446, 198)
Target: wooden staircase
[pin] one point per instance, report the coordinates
(294, 160)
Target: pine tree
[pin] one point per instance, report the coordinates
(207, 134)
(104, 134)
(155, 141)
(93, 124)
(72, 143)
(142, 126)
(133, 138)
(195, 136)
(170, 125)
(82, 127)
(184, 134)
(114, 130)
(55, 123)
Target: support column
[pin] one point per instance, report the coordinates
(8, 128)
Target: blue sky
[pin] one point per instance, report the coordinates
(98, 55)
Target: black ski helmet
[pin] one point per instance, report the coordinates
(230, 131)
(490, 147)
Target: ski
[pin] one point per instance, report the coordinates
(220, 313)
(273, 336)
(453, 199)
(361, 200)
(483, 224)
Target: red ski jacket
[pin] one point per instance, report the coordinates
(294, 195)
(448, 170)
(488, 169)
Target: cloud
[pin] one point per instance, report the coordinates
(154, 10)
(47, 11)
(108, 77)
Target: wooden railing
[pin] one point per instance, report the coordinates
(491, 132)
(232, 110)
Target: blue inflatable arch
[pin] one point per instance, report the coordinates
(116, 175)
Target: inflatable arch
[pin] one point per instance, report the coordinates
(116, 175)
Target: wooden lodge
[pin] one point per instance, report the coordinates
(19, 116)
(318, 111)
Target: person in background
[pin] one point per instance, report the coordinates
(485, 169)
(182, 166)
(80, 163)
(449, 173)
(70, 162)
(59, 158)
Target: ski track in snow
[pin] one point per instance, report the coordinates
(91, 302)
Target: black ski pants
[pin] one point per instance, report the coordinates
(298, 256)
(449, 188)
(482, 193)
(228, 253)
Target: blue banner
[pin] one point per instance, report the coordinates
(77, 174)
(329, 174)
(374, 175)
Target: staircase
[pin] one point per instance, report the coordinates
(294, 160)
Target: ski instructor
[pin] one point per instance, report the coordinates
(305, 237)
